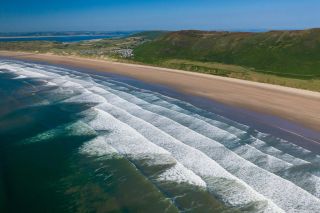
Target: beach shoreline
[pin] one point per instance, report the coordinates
(294, 105)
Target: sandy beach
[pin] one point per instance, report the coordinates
(295, 105)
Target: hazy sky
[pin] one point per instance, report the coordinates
(107, 15)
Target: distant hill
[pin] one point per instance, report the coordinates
(285, 53)
(150, 35)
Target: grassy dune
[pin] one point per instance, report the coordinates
(240, 72)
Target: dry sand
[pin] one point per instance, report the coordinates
(296, 105)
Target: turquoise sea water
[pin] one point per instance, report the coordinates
(75, 38)
(79, 142)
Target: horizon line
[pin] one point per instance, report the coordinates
(164, 30)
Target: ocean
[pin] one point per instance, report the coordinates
(75, 141)
(76, 38)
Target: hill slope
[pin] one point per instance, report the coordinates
(285, 53)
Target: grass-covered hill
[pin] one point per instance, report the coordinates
(285, 53)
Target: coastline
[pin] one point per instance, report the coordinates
(53, 36)
(294, 105)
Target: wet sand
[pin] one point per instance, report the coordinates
(294, 105)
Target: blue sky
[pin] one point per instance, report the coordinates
(107, 15)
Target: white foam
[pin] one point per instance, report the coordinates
(178, 174)
(133, 145)
(266, 161)
(232, 127)
(75, 129)
(270, 150)
(99, 125)
(155, 99)
(23, 71)
(20, 77)
(99, 147)
(264, 182)
(85, 98)
(205, 167)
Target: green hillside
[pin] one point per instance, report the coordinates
(292, 54)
